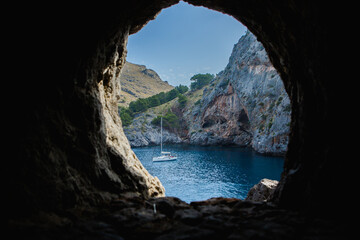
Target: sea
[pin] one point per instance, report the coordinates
(201, 173)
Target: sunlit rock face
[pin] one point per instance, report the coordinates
(246, 104)
(263, 191)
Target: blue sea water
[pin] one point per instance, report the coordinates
(201, 173)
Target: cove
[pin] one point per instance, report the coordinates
(201, 172)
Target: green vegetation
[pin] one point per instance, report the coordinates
(200, 80)
(182, 89)
(126, 116)
(182, 100)
(170, 120)
(143, 104)
(139, 82)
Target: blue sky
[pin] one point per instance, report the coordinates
(185, 40)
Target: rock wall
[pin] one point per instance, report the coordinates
(71, 151)
(246, 104)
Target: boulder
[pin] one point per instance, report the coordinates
(262, 191)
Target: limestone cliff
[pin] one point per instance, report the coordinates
(245, 105)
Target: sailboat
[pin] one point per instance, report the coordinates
(165, 156)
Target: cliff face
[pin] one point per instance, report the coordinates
(222, 121)
(137, 81)
(245, 105)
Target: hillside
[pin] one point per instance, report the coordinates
(245, 105)
(139, 82)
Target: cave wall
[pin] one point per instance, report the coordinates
(69, 149)
(66, 138)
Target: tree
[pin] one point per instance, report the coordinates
(182, 100)
(126, 116)
(182, 88)
(200, 80)
(139, 105)
(154, 101)
(172, 94)
(162, 97)
(170, 120)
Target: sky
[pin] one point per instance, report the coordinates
(185, 40)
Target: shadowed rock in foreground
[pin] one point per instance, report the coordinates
(171, 218)
(263, 191)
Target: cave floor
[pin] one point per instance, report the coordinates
(171, 218)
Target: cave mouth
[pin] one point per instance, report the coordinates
(68, 147)
(149, 50)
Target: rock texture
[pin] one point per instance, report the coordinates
(245, 105)
(142, 133)
(137, 81)
(171, 218)
(263, 191)
(222, 120)
(63, 153)
(71, 151)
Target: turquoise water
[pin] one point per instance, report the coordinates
(201, 173)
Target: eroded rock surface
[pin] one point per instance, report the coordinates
(171, 218)
(263, 191)
(246, 104)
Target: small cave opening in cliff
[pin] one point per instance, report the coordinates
(224, 109)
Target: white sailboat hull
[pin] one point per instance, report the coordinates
(164, 158)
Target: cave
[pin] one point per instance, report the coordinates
(69, 162)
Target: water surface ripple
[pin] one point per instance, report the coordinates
(201, 173)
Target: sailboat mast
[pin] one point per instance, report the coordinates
(161, 135)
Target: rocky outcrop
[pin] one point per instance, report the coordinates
(246, 104)
(223, 121)
(263, 191)
(142, 133)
